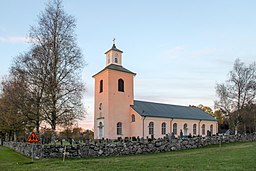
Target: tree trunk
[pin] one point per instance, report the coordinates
(37, 126)
(53, 139)
(15, 136)
(236, 128)
(254, 122)
(6, 137)
(10, 136)
(2, 139)
(54, 136)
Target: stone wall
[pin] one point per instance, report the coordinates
(123, 147)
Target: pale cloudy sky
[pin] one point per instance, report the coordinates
(179, 49)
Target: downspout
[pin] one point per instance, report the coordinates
(199, 127)
(143, 120)
(171, 127)
(217, 128)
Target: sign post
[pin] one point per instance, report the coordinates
(64, 153)
(32, 139)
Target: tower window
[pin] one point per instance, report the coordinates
(101, 86)
(116, 61)
(121, 85)
(119, 128)
(133, 118)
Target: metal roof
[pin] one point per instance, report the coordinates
(152, 109)
(117, 68)
(114, 48)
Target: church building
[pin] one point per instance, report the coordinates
(117, 114)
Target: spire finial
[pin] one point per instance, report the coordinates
(114, 43)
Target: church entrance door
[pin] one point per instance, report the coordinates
(101, 130)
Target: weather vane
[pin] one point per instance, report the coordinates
(114, 41)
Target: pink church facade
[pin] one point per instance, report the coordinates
(117, 114)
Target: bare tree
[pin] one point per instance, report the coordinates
(32, 66)
(237, 92)
(11, 111)
(63, 87)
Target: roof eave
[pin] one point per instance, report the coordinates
(114, 70)
(114, 50)
(174, 117)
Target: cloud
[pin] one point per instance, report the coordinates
(176, 52)
(203, 52)
(14, 39)
(185, 51)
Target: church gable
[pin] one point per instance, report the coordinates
(151, 109)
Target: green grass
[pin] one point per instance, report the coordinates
(235, 156)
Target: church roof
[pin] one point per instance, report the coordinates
(114, 48)
(150, 109)
(117, 68)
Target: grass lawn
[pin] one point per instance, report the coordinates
(235, 156)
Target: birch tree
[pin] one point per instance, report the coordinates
(237, 92)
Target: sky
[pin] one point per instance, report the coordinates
(179, 49)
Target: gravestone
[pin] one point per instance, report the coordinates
(181, 133)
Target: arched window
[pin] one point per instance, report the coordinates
(151, 128)
(211, 129)
(185, 129)
(116, 61)
(194, 129)
(203, 129)
(100, 125)
(133, 118)
(121, 85)
(185, 126)
(101, 86)
(174, 128)
(163, 128)
(119, 128)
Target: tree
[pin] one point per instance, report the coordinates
(206, 109)
(219, 116)
(11, 113)
(33, 66)
(63, 86)
(248, 118)
(237, 92)
(88, 134)
(77, 134)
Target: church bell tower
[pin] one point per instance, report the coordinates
(112, 97)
